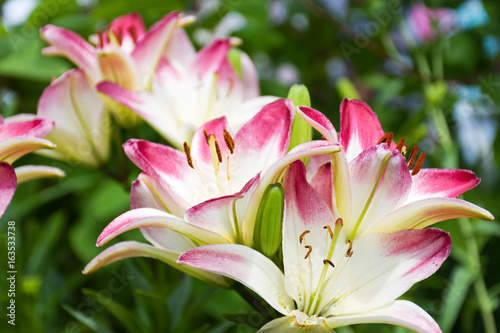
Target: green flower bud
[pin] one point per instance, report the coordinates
(301, 130)
(234, 56)
(347, 89)
(268, 224)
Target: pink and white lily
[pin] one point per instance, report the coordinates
(20, 135)
(192, 88)
(329, 280)
(82, 126)
(125, 53)
(210, 193)
(370, 185)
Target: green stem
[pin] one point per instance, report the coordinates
(474, 260)
(253, 301)
(437, 61)
(423, 67)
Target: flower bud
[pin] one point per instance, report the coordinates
(268, 224)
(301, 130)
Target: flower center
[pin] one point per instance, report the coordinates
(217, 160)
(303, 320)
(316, 304)
(387, 138)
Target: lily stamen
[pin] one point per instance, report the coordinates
(309, 247)
(327, 227)
(206, 136)
(413, 156)
(187, 150)
(349, 252)
(229, 141)
(301, 238)
(400, 145)
(326, 261)
(387, 138)
(419, 164)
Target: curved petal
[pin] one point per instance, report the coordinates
(14, 148)
(82, 128)
(210, 58)
(360, 127)
(147, 107)
(245, 111)
(148, 217)
(401, 313)
(215, 215)
(249, 77)
(75, 48)
(380, 182)
(423, 213)
(182, 187)
(305, 211)
(149, 49)
(128, 29)
(25, 125)
(117, 66)
(145, 194)
(383, 266)
(28, 172)
(433, 183)
(273, 174)
(265, 138)
(8, 186)
(288, 324)
(319, 121)
(131, 249)
(180, 49)
(246, 266)
(322, 182)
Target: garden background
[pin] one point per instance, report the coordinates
(441, 92)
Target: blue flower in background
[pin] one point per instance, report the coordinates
(491, 46)
(471, 14)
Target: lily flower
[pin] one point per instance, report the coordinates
(192, 88)
(19, 135)
(125, 53)
(373, 187)
(210, 193)
(82, 125)
(330, 280)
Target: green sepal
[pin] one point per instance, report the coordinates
(269, 221)
(301, 130)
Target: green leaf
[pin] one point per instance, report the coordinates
(457, 290)
(127, 318)
(86, 320)
(252, 319)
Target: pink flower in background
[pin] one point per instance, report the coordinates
(192, 88)
(373, 187)
(20, 135)
(208, 194)
(328, 280)
(82, 126)
(125, 53)
(426, 24)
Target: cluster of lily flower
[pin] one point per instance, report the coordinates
(329, 232)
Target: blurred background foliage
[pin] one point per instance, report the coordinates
(440, 92)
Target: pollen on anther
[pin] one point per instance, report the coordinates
(302, 235)
(327, 227)
(217, 149)
(309, 249)
(326, 261)
(419, 164)
(383, 138)
(413, 156)
(389, 138)
(206, 136)
(349, 250)
(400, 145)
(187, 150)
(229, 141)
